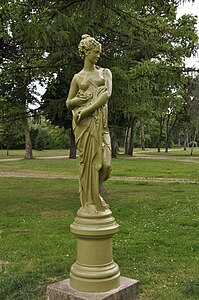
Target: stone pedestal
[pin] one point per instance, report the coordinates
(128, 290)
(94, 275)
(94, 269)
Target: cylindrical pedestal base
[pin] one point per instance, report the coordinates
(94, 269)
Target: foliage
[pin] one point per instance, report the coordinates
(60, 137)
(193, 101)
(54, 101)
(11, 137)
(46, 136)
(144, 45)
(43, 140)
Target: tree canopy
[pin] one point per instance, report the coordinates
(144, 45)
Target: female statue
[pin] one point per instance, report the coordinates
(88, 98)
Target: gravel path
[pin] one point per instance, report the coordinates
(113, 178)
(190, 159)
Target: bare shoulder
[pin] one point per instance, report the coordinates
(78, 75)
(75, 77)
(107, 72)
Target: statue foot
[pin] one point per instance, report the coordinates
(103, 203)
(89, 209)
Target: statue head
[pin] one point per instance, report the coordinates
(86, 44)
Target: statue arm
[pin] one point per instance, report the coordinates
(108, 81)
(73, 100)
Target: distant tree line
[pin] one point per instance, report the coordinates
(43, 136)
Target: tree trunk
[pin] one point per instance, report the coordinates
(142, 136)
(28, 144)
(126, 141)
(167, 134)
(7, 150)
(114, 142)
(73, 150)
(185, 139)
(179, 141)
(130, 139)
(193, 143)
(161, 123)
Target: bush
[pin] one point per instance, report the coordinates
(60, 138)
(43, 141)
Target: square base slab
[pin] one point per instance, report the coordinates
(128, 290)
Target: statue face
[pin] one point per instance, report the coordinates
(94, 54)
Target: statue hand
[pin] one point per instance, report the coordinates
(82, 97)
(78, 100)
(78, 119)
(80, 115)
(77, 116)
(86, 111)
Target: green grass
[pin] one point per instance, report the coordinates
(51, 166)
(158, 239)
(21, 153)
(131, 167)
(63, 152)
(171, 152)
(155, 168)
(36, 245)
(157, 242)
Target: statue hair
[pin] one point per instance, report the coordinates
(86, 44)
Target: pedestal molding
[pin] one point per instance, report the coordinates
(94, 269)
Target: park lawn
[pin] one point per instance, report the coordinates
(157, 242)
(36, 153)
(123, 166)
(147, 168)
(63, 166)
(180, 152)
(65, 152)
(36, 245)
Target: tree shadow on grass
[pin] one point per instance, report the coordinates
(191, 289)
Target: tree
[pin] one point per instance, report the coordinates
(10, 136)
(54, 106)
(16, 75)
(16, 96)
(193, 107)
(158, 70)
(42, 37)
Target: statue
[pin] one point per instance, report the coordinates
(88, 98)
(94, 226)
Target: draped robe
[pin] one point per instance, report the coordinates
(93, 144)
